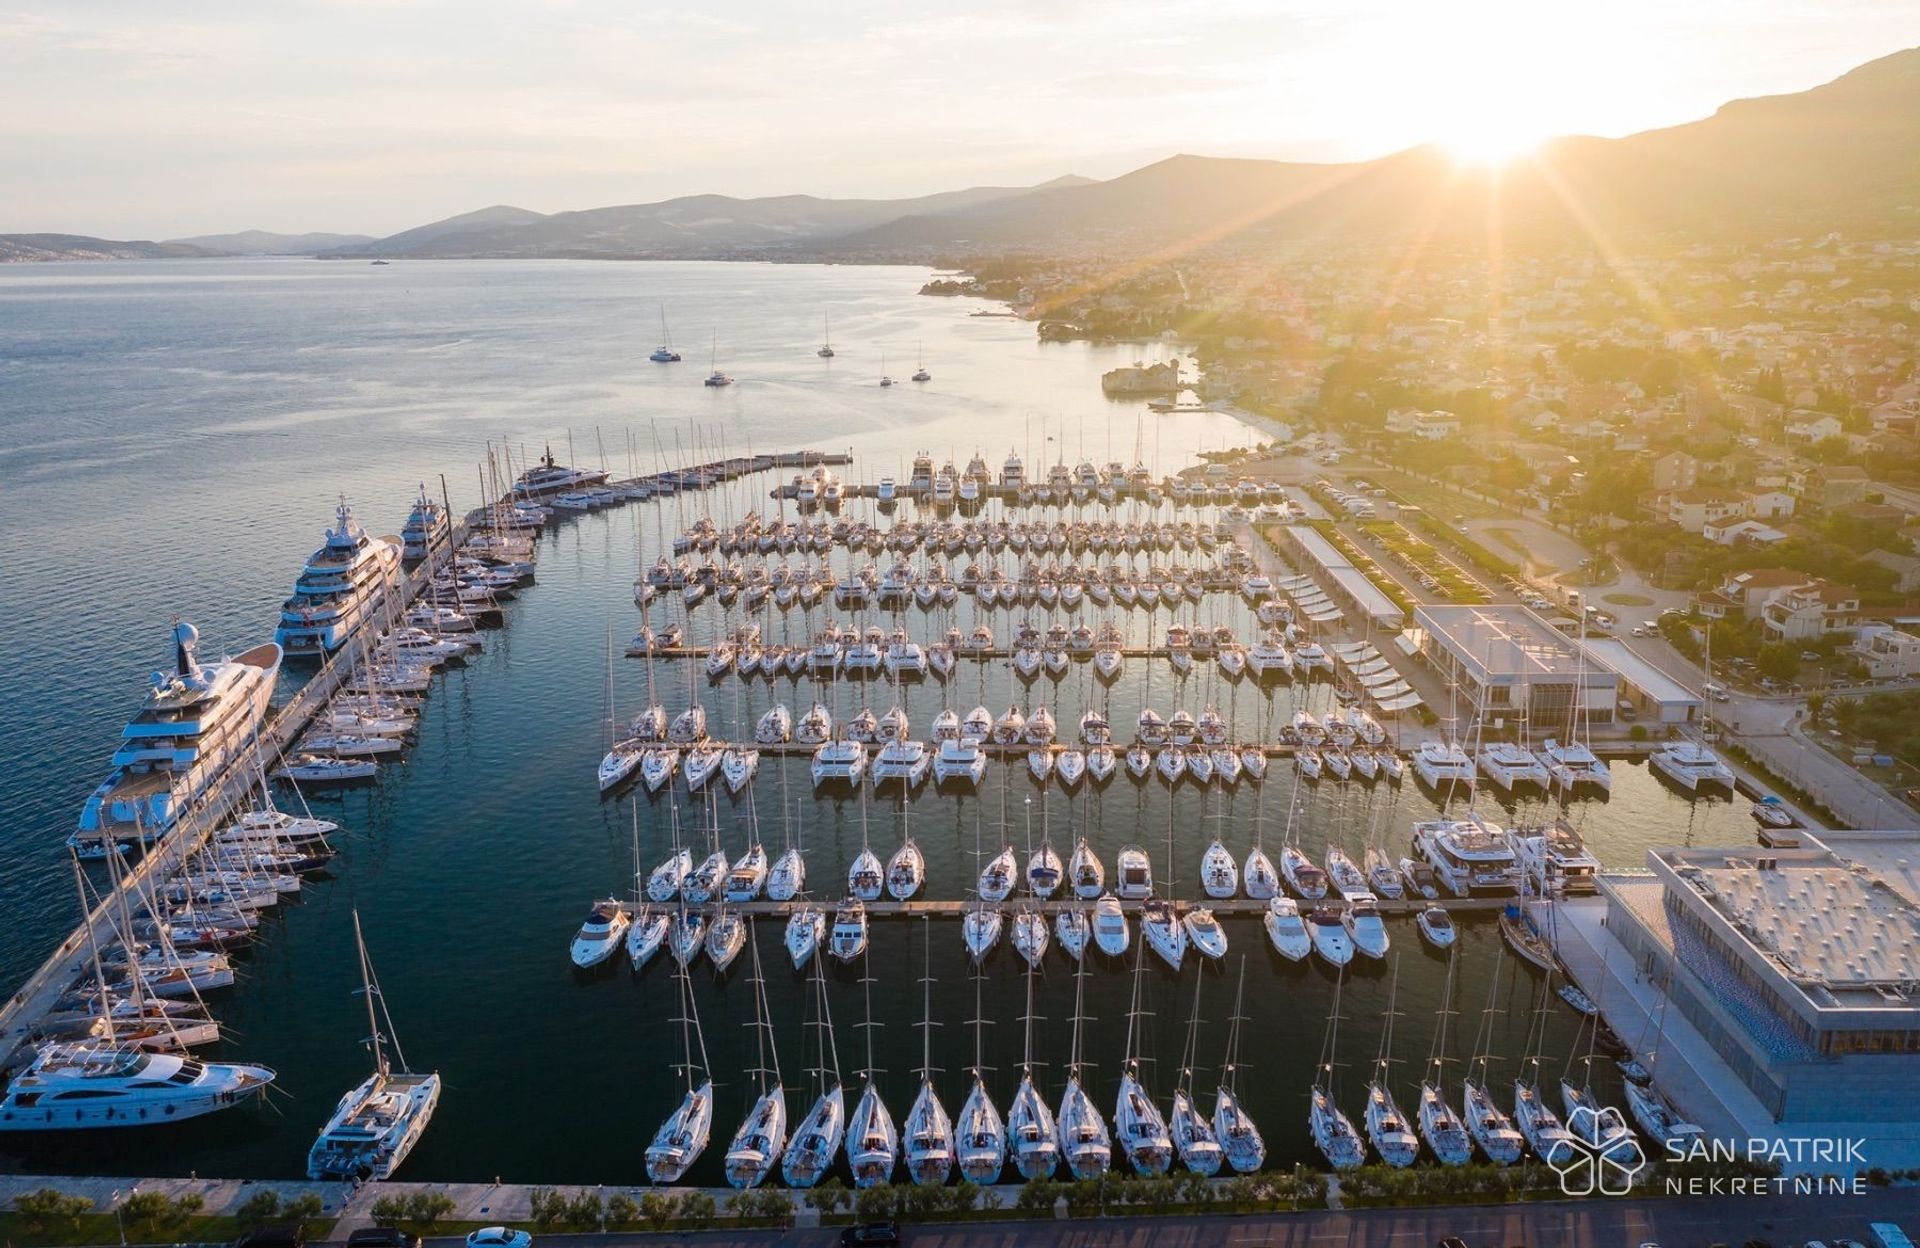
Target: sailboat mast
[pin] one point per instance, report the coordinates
(368, 990)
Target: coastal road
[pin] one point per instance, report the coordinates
(1678, 1222)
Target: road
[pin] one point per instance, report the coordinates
(1679, 1222)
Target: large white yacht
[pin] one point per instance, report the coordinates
(341, 584)
(426, 530)
(69, 1086)
(1469, 855)
(194, 724)
(548, 477)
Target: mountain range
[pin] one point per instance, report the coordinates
(1841, 156)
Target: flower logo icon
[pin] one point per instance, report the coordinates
(1599, 1154)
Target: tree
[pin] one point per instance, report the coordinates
(152, 1210)
(49, 1208)
(698, 1208)
(829, 1197)
(1778, 661)
(427, 1208)
(1816, 707)
(622, 1212)
(264, 1206)
(307, 1206)
(658, 1209)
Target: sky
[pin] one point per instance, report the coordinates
(130, 119)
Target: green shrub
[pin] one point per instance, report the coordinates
(264, 1206)
(622, 1212)
(50, 1208)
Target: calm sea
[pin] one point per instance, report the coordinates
(174, 436)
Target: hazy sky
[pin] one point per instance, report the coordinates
(133, 119)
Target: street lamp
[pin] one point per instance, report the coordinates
(119, 1220)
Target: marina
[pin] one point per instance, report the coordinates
(496, 783)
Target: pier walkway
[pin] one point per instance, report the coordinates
(929, 909)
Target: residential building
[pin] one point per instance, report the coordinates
(1747, 594)
(1830, 485)
(1694, 508)
(1766, 504)
(1675, 470)
(1734, 532)
(1887, 653)
(1811, 427)
(1811, 611)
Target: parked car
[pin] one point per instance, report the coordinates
(872, 1233)
(382, 1237)
(281, 1235)
(499, 1237)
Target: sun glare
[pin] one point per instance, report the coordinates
(1491, 146)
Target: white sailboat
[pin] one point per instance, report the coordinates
(1333, 1132)
(1084, 1140)
(376, 1125)
(1136, 1119)
(979, 1135)
(816, 1141)
(929, 1143)
(761, 1138)
(873, 1143)
(683, 1136)
(1240, 1139)
(1439, 1125)
(1033, 1134)
(1490, 1126)
(1387, 1127)
(1192, 1133)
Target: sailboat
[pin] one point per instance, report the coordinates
(758, 1143)
(1083, 1132)
(716, 377)
(1143, 1132)
(826, 339)
(1656, 1115)
(979, 1135)
(683, 1136)
(920, 373)
(1492, 1129)
(1541, 1127)
(1387, 1127)
(816, 1141)
(1034, 1134)
(1239, 1138)
(873, 1145)
(623, 757)
(1192, 1134)
(1333, 1133)
(1439, 1125)
(664, 353)
(929, 1135)
(376, 1125)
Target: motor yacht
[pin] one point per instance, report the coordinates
(1134, 874)
(1286, 930)
(79, 1086)
(1328, 932)
(342, 583)
(600, 936)
(193, 726)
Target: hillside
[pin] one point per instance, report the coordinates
(1845, 155)
(29, 248)
(689, 226)
(264, 243)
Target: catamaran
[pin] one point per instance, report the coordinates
(376, 1125)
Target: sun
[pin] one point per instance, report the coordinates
(1493, 145)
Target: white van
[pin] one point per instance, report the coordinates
(1716, 691)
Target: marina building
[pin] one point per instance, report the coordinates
(1646, 693)
(1514, 666)
(1334, 572)
(1776, 994)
